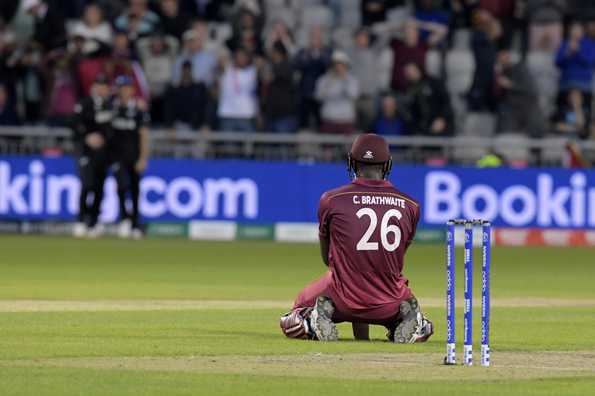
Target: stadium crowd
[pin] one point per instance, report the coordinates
(398, 67)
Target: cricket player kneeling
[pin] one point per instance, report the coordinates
(366, 227)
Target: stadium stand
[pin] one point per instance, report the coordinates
(51, 51)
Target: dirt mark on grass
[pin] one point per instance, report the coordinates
(395, 366)
(135, 305)
(155, 305)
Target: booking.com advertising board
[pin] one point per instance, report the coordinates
(37, 188)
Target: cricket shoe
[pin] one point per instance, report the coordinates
(136, 234)
(96, 231)
(413, 326)
(321, 322)
(125, 229)
(79, 230)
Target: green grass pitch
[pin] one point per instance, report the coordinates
(176, 317)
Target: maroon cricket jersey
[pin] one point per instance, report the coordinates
(370, 224)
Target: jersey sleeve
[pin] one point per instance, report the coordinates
(324, 217)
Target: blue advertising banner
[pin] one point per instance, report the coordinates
(36, 188)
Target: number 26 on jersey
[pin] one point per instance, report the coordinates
(385, 229)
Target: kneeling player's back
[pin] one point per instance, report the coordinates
(369, 225)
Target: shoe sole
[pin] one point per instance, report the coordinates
(321, 320)
(405, 331)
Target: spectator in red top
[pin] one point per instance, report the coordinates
(506, 12)
(411, 48)
(62, 88)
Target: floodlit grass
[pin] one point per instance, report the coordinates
(237, 348)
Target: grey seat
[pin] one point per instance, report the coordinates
(459, 69)
(350, 13)
(513, 147)
(283, 14)
(459, 75)
(553, 151)
(433, 63)
(461, 39)
(542, 66)
(343, 36)
(479, 125)
(316, 15)
(469, 149)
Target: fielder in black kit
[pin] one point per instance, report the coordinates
(129, 149)
(91, 125)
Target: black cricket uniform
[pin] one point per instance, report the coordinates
(125, 151)
(93, 114)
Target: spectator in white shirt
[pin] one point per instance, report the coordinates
(238, 100)
(204, 62)
(93, 29)
(338, 90)
(157, 55)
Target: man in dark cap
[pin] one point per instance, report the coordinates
(129, 148)
(91, 125)
(365, 229)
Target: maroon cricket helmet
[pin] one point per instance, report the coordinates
(370, 148)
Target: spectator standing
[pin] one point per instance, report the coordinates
(49, 24)
(204, 62)
(461, 13)
(311, 63)
(280, 96)
(366, 68)
(575, 59)
(8, 114)
(62, 88)
(279, 34)
(157, 54)
(238, 101)
(484, 38)
(427, 104)
(173, 20)
(247, 32)
(338, 91)
(137, 20)
(93, 29)
(505, 11)
(544, 18)
(389, 121)
(123, 61)
(30, 80)
(187, 102)
(518, 101)
(412, 48)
